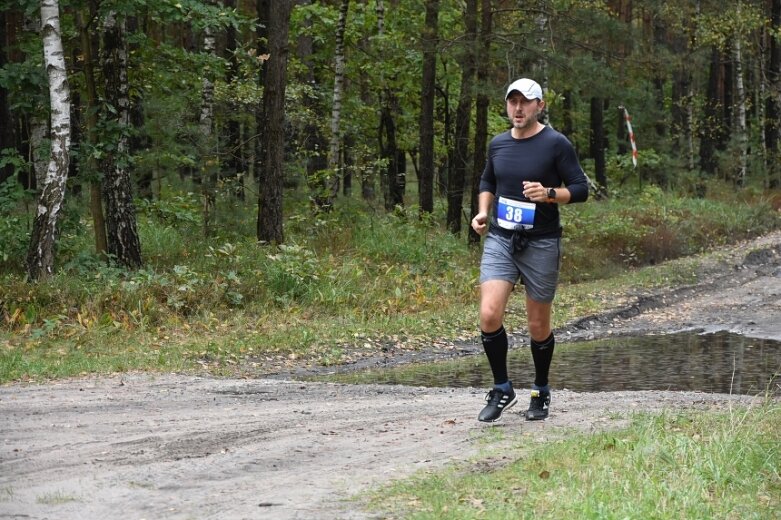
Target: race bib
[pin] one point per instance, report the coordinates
(513, 213)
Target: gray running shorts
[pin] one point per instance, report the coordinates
(537, 266)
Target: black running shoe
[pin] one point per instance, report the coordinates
(538, 407)
(498, 401)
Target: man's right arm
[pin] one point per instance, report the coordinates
(480, 222)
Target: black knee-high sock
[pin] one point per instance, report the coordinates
(495, 346)
(542, 353)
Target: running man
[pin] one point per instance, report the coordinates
(530, 170)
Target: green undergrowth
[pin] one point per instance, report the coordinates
(353, 277)
(687, 465)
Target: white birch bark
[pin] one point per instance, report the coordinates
(39, 127)
(207, 95)
(208, 168)
(690, 126)
(740, 94)
(40, 255)
(336, 110)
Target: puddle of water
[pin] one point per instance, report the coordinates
(720, 362)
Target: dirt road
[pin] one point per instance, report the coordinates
(180, 447)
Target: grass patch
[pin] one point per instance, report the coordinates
(56, 497)
(694, 465)
(352, 279)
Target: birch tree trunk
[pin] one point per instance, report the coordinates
(336, 110)
(741, 133)
(270, 199)
(209, 161)
(39, 128)
(121, 229)
(43, 240)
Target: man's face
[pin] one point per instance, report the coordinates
(523, 112)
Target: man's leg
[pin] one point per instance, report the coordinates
(494, 295)
(542, 341)
(542, 345)
(493, 302)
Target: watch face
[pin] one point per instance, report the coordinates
(551, 193)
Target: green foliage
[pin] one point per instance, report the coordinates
(649, 226)
(175, 211)
(13, 224)
(344, 272)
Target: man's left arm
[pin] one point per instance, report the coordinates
(570, 171)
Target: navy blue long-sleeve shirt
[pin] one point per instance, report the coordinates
(547, 157)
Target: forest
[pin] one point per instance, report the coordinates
(112, 108)
(261, 188)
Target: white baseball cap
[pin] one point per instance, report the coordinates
(528, 87)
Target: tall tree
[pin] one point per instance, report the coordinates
(773, 98)
(741, 132)
(263, 9)
(207, 172)
(427, 97)
(43, 240)
(314, 142)
(234, 163)
(121, 230)
(393, 177)
(269, 226)
(334, 145)
(456, 181)
(86, 23)
(712, 128)
(6, 129)
(597, 143)
(481, 109)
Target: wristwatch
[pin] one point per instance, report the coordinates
(552, 193)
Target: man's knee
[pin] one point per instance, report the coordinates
(539, 330)
(491, 317)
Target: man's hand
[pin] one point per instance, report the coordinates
(480, 223)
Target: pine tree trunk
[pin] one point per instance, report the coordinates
(456, 182)
(7, 138)
(711, 127)
(270, 216)
(597, 143)
(235, 168)
(121, 230)
(43, 240)
(481, 111)
(91, 109)
(263, 8)
(427, 98)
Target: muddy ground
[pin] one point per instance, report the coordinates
(176, 446)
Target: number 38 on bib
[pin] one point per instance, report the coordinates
(513, 213)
